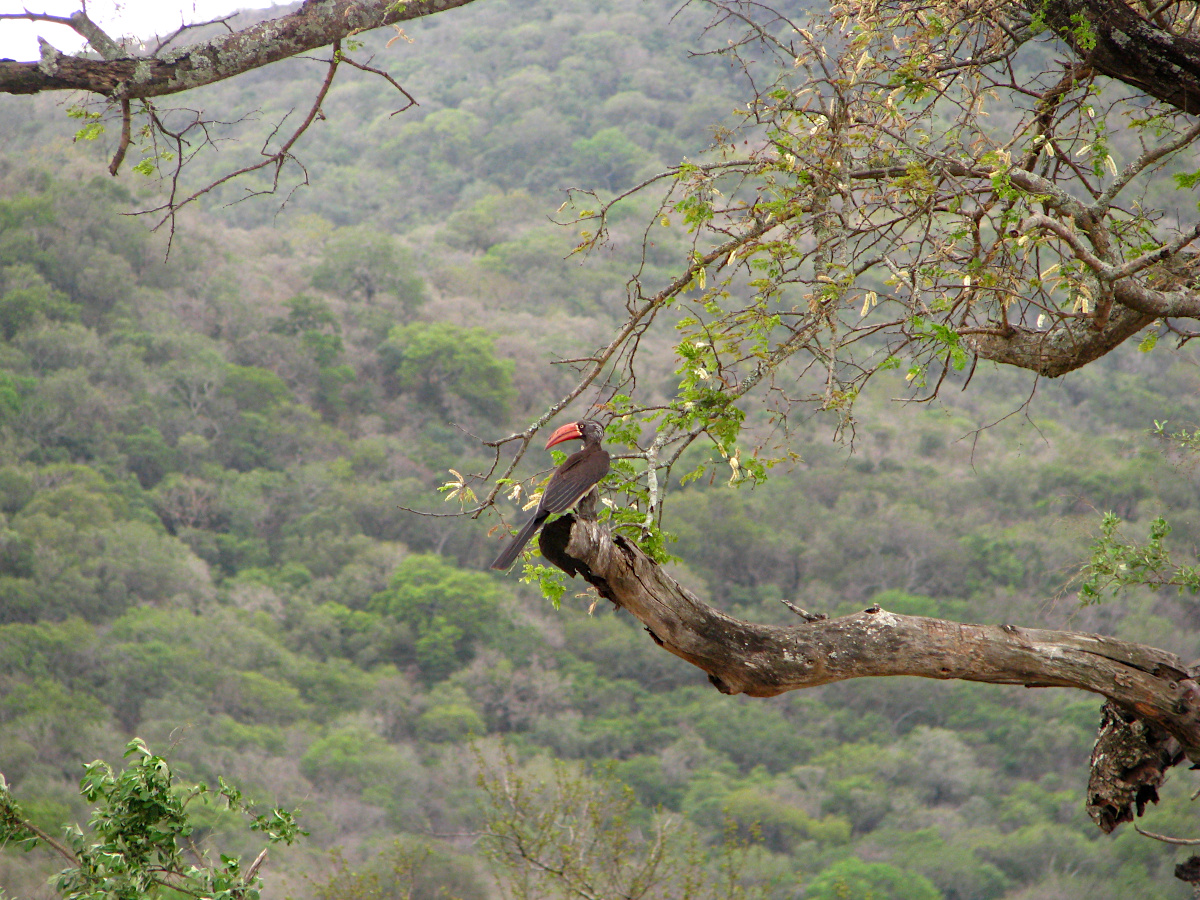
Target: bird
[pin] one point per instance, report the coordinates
(570, 482)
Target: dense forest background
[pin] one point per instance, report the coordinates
(204, 465)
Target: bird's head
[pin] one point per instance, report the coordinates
(586, 430)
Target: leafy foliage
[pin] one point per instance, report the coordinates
(450, 611)
(446, 367)
(1116, 565)
(412, 869)
(359, 262)
(853, 879)
(530, 813)
(139, 833)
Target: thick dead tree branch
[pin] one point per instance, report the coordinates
(1122, 43)
(1142, 683)
(316, 24)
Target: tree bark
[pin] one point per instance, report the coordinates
(1059, 350)
(1129, 765)
(1120, 42)
(763, 660)
(316, 24)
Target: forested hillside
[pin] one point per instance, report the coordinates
(208, 464)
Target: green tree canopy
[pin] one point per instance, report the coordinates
(853, 879)
(451, 612)
(449, 368)
(358, 262)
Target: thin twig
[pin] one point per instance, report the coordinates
(1182, 842)
(412, 101)
(81, 25)
(278, 158)
(123, 144)
(221, 20)
(51, 842)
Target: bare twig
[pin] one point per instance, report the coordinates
(1182, 842)
(803, 613)
(412, 101)
(123, 143)
(165, 42)
(58, 847)
(277, 159)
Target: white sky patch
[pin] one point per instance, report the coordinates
(120, 18)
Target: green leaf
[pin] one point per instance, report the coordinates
(89, 132)
(550, 580)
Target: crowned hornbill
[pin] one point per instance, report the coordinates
(569, 483)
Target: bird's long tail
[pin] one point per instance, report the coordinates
(510, 553)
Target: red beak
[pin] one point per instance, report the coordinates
(568, 432)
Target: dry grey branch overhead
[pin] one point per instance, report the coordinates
(125, 75)
(1151, 53)
(315, 24)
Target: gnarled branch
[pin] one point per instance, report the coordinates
(1129, 764)
(1060, 349)
(763, 660)
(316, 24)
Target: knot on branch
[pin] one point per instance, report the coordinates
(1062, 349)
(49, 57)
(1129, 763)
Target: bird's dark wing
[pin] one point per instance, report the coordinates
(573, 479)
(568, 484)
